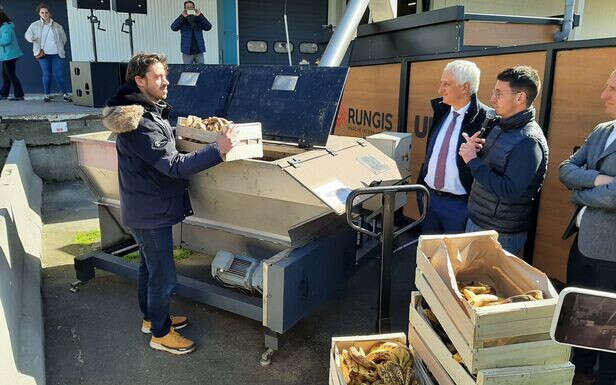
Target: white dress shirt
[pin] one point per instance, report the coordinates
(610, 140)
(48, 40)
(453, 184)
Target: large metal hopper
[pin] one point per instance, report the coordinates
(276, 200)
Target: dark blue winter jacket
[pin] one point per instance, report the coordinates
(152, 173)
(191, 26)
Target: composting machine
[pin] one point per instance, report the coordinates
(275, 224)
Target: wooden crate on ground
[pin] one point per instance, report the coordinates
(428, 346)
(366, 342)
(535, 349)
(485, 326)
(248, 135)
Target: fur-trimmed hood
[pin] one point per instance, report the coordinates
(121, 119)
(125, 110)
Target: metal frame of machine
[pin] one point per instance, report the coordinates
(282, 210)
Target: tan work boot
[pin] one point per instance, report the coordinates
(173, 343)
(177, 322)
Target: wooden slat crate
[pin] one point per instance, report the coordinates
(426, 344)
(485, 326)
(537, 349)
(248, 135)
(340, 343)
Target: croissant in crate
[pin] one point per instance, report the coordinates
(386, 363)
(479, 294)
(213, 124)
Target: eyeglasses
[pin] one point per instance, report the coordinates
(498, 94)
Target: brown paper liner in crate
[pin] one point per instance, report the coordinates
(483, 259)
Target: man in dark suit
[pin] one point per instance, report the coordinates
(590, 175)
(444, 172)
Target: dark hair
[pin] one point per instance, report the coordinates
(141, 62)
(4, 18)
(522, 79)
(41, 6)
(192, 2)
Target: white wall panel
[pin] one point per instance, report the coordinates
(598, 16)
(152, 32)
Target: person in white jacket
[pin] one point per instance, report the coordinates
(48, 39)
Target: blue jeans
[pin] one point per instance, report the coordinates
(513, 243)
(53, 65)
(446, 215)
(157, 277)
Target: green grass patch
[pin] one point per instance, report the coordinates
(87, 238)
(132, 256)
(179, 254)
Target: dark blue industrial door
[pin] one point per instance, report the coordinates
(262, 32)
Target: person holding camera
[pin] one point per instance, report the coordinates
(191, 23)
(48, 39)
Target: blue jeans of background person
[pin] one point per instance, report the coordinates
(513, 243)
(198, 58)
(53, 66)
(157, 277)
(446, 214)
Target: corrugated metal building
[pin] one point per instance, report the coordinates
(152, 32)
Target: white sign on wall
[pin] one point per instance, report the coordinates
(58, 127)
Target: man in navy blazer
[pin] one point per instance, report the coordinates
(444, 172)
(191, 23)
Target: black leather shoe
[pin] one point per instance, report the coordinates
(15, 98)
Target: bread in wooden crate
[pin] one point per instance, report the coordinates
(193, 132)
(374, 359)
(516, 326)
(508, 364)
(486, 325)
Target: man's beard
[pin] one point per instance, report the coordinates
(153, 98)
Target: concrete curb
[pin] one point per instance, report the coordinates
(22, 353)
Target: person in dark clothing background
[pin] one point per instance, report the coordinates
(154, 188)
(9, 53)
(191, 23)
(444, 172)
(509, 166)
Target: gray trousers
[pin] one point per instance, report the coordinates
(193, 59)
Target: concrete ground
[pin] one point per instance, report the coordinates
(34, 107)
(93, 337)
